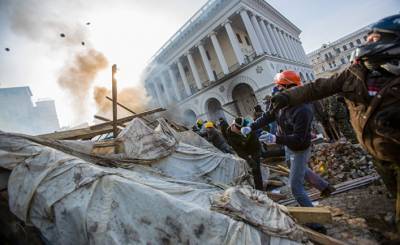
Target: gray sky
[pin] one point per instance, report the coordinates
(129, 32)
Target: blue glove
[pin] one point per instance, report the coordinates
(268, 138)
(245, 131)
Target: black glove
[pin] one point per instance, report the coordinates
(279, 101)
(388, 119)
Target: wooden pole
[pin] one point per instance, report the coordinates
(121, 105)
(114, 98)
(126, 108)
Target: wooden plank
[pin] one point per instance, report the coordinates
(276, 183)
(305, 215)
(114, 103)
(128, 118)
(90, 132)
(283, 168)
(321, 238)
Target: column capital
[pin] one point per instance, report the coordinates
(212, 33)
(227, 21)
(242, 9)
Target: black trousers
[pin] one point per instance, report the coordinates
(254, 162)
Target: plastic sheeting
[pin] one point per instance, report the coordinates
(73, 201)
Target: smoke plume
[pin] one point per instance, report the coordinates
(78, 74)
(134, 98)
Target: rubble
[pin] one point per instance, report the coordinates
(341, 161)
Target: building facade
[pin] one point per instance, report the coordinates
(336, 56)
(221, 63)
(19, 114)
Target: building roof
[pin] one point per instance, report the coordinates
(339, 41)
(17, 89)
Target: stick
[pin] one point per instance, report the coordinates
(126, 108)
(114, 104)
(107, 120)
(92, 131)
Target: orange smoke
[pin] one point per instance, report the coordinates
(135, 98)
(78, 76)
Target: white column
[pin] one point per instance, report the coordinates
(234, 42)
(274, 39)
(296, 51)
(206, 62)
(172, 77)
(303, 58)
(285, 50)
(252, 33)
(267, 37)
(166, 90)
(259, 34)
(288, 46)
(304, 53)
(184, 78)
(280, 42)
(159, 94)
(220, 54)
(194, 71)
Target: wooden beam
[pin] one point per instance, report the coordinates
(320, 238)
(121, 105)
(128, 118)
(114, 104)
(90, 132)
(305, 215)
(107, 120)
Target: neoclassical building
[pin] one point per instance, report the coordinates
(334, 57)
(221, 63)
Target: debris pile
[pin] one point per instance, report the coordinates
(341, 161)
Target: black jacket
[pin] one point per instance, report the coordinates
(242, 145)
(294, 126)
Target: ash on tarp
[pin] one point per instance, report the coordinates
(341, 161)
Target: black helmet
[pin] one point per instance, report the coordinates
(384, 53)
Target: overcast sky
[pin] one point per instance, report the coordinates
(129, 32)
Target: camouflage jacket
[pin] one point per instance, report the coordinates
(351, 84)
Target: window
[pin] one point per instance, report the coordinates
(330, 55)
(358, 41)
(186, 69)
(343, 61)
(247, 40)
(349, 57)
(330, 65)
(351, 45)
(365, 38)
(239, 38)
(208, 55)
(344, 47)
(334, 63)
(326, 56)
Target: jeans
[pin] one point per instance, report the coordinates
(299, 171)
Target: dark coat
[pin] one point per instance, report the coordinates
(243, 146)
(216, 138)
(351, 83)
(294, 126)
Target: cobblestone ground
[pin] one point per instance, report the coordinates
(363, 216)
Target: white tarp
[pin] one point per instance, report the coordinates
(73, 201)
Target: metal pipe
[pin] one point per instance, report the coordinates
(114, 98)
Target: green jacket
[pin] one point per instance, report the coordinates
(351, 83)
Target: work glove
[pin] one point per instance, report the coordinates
(267, 138)
(245, 131)
(279, 101)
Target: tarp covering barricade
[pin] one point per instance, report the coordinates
(174, 197)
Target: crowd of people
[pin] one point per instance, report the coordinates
(361, 105)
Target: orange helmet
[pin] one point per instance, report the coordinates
(287, 78)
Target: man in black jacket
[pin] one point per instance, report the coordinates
(294, 132)
(248, 148)
(216, 138)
